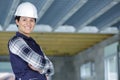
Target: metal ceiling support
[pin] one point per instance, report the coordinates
(10, 14)
(116, 0)
(102, 11)
(70, 13)
(118, 53)
(110, 24)
(44, 8)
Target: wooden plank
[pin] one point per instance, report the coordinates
(58, 43)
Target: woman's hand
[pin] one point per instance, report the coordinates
(47, 77)
(33, 68)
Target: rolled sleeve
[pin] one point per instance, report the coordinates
(19, 47)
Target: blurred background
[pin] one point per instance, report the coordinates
(81, 37)
(6, 71)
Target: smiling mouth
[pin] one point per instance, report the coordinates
(28, 28)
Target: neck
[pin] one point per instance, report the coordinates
(26, 34)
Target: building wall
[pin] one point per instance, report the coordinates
(68, 67)
(64, 68)
(96, 56)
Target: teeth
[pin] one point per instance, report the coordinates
(27, 27)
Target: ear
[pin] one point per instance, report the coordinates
(17, 22)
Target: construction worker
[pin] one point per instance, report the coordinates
(27, 58)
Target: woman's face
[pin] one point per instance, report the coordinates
(25, 25)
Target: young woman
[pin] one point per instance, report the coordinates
(26, 57)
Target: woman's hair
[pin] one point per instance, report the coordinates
(18, 18)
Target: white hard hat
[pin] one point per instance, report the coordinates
(26, 9)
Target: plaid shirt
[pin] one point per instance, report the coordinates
(20, 48)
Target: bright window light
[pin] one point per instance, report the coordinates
(12, 27)
(42, 28)
(65, 28)
(88, 29)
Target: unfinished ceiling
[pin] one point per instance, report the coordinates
(83, 20)
(76, 13)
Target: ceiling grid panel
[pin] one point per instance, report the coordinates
(105, 20)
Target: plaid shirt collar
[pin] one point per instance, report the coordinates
(23, 36)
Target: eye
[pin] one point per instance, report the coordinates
(23, 19)
(32, 20)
